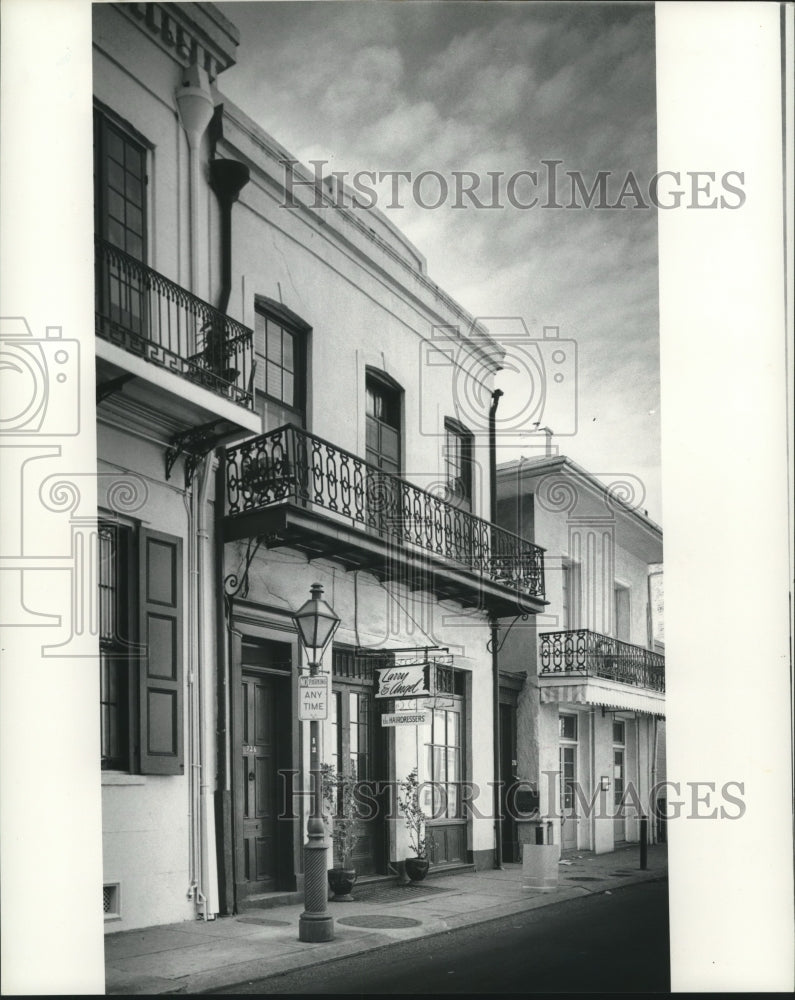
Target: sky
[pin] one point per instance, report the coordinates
(442, 85)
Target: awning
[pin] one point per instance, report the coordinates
(600, 691)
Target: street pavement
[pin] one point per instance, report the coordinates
(611, 943)
(195, 957)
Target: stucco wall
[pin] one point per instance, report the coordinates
(378, 616)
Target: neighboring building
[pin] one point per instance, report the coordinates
(584, 682)
(279, 395)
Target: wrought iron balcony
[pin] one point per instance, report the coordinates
(580, 651)
(289, 465)
(146, 314)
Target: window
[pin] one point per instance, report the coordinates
(618, 732)
(621, 605)
(458, 464)
(382, 408)
(279, 353)
(445, 763)
(139, 582)
(119, 186)
(618, 762)
(120, 220)
(570, 596)
(115, 648)
(568, 727)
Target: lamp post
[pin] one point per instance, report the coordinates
(316, 623)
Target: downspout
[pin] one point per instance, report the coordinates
(227, 179)
(195, 108)
(495, 659)
(195, 104)
(205, 595)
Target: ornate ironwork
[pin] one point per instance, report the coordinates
(147, 315)
(291, 464)
(194, 444)
(580, 651)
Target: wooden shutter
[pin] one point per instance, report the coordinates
(161, 677)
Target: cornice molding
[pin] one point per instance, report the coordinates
(191, 34)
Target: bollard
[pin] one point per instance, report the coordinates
(644, 836)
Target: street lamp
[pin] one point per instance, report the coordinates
(316, 623)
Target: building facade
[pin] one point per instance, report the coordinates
(284, 398)
(584, 682)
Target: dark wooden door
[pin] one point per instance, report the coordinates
(510, 847)
(256, 843)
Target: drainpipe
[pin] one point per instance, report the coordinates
(195, 107)
(227, 179)
(204, 603)
(495, 660)
(195, 104)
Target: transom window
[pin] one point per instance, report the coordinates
(568, 727)
(618, 732)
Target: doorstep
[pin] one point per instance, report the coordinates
(269, 900)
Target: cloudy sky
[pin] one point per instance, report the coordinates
(491, 86)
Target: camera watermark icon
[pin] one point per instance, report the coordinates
(591, 511)
(39, 381)
(460, 367)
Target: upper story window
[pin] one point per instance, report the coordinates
(280, 355)
(383, 400)
(458, 463)
(570, 595)
(119, 186)
(622, 612)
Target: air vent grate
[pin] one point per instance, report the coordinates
(111, 901)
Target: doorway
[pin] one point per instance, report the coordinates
(510, 845)
(619, 781)
(261, 745)
(568, 781)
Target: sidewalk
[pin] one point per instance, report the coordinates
(191, 957)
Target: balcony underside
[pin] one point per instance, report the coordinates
(162, 392)
(581, 689)
(321, 537)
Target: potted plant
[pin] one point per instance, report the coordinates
(338, 793)
(409, 802)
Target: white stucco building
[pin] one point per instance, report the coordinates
(280, 402)
(587, 677)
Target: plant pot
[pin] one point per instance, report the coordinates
(341, 881)
(417, 868)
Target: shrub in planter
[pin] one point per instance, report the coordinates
(415, 817)
(341, 805)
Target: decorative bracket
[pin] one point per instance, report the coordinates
(237, 586)
(490, 644)
(194, 444)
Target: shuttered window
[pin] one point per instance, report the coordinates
(140, 631)
(161, 677)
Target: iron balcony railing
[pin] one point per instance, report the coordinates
(290, 464)
(149, 316)
(580, 651)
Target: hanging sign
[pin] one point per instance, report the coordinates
(313, 698)
(421, 718)
(405, 680)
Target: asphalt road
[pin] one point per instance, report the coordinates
(615, 943)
